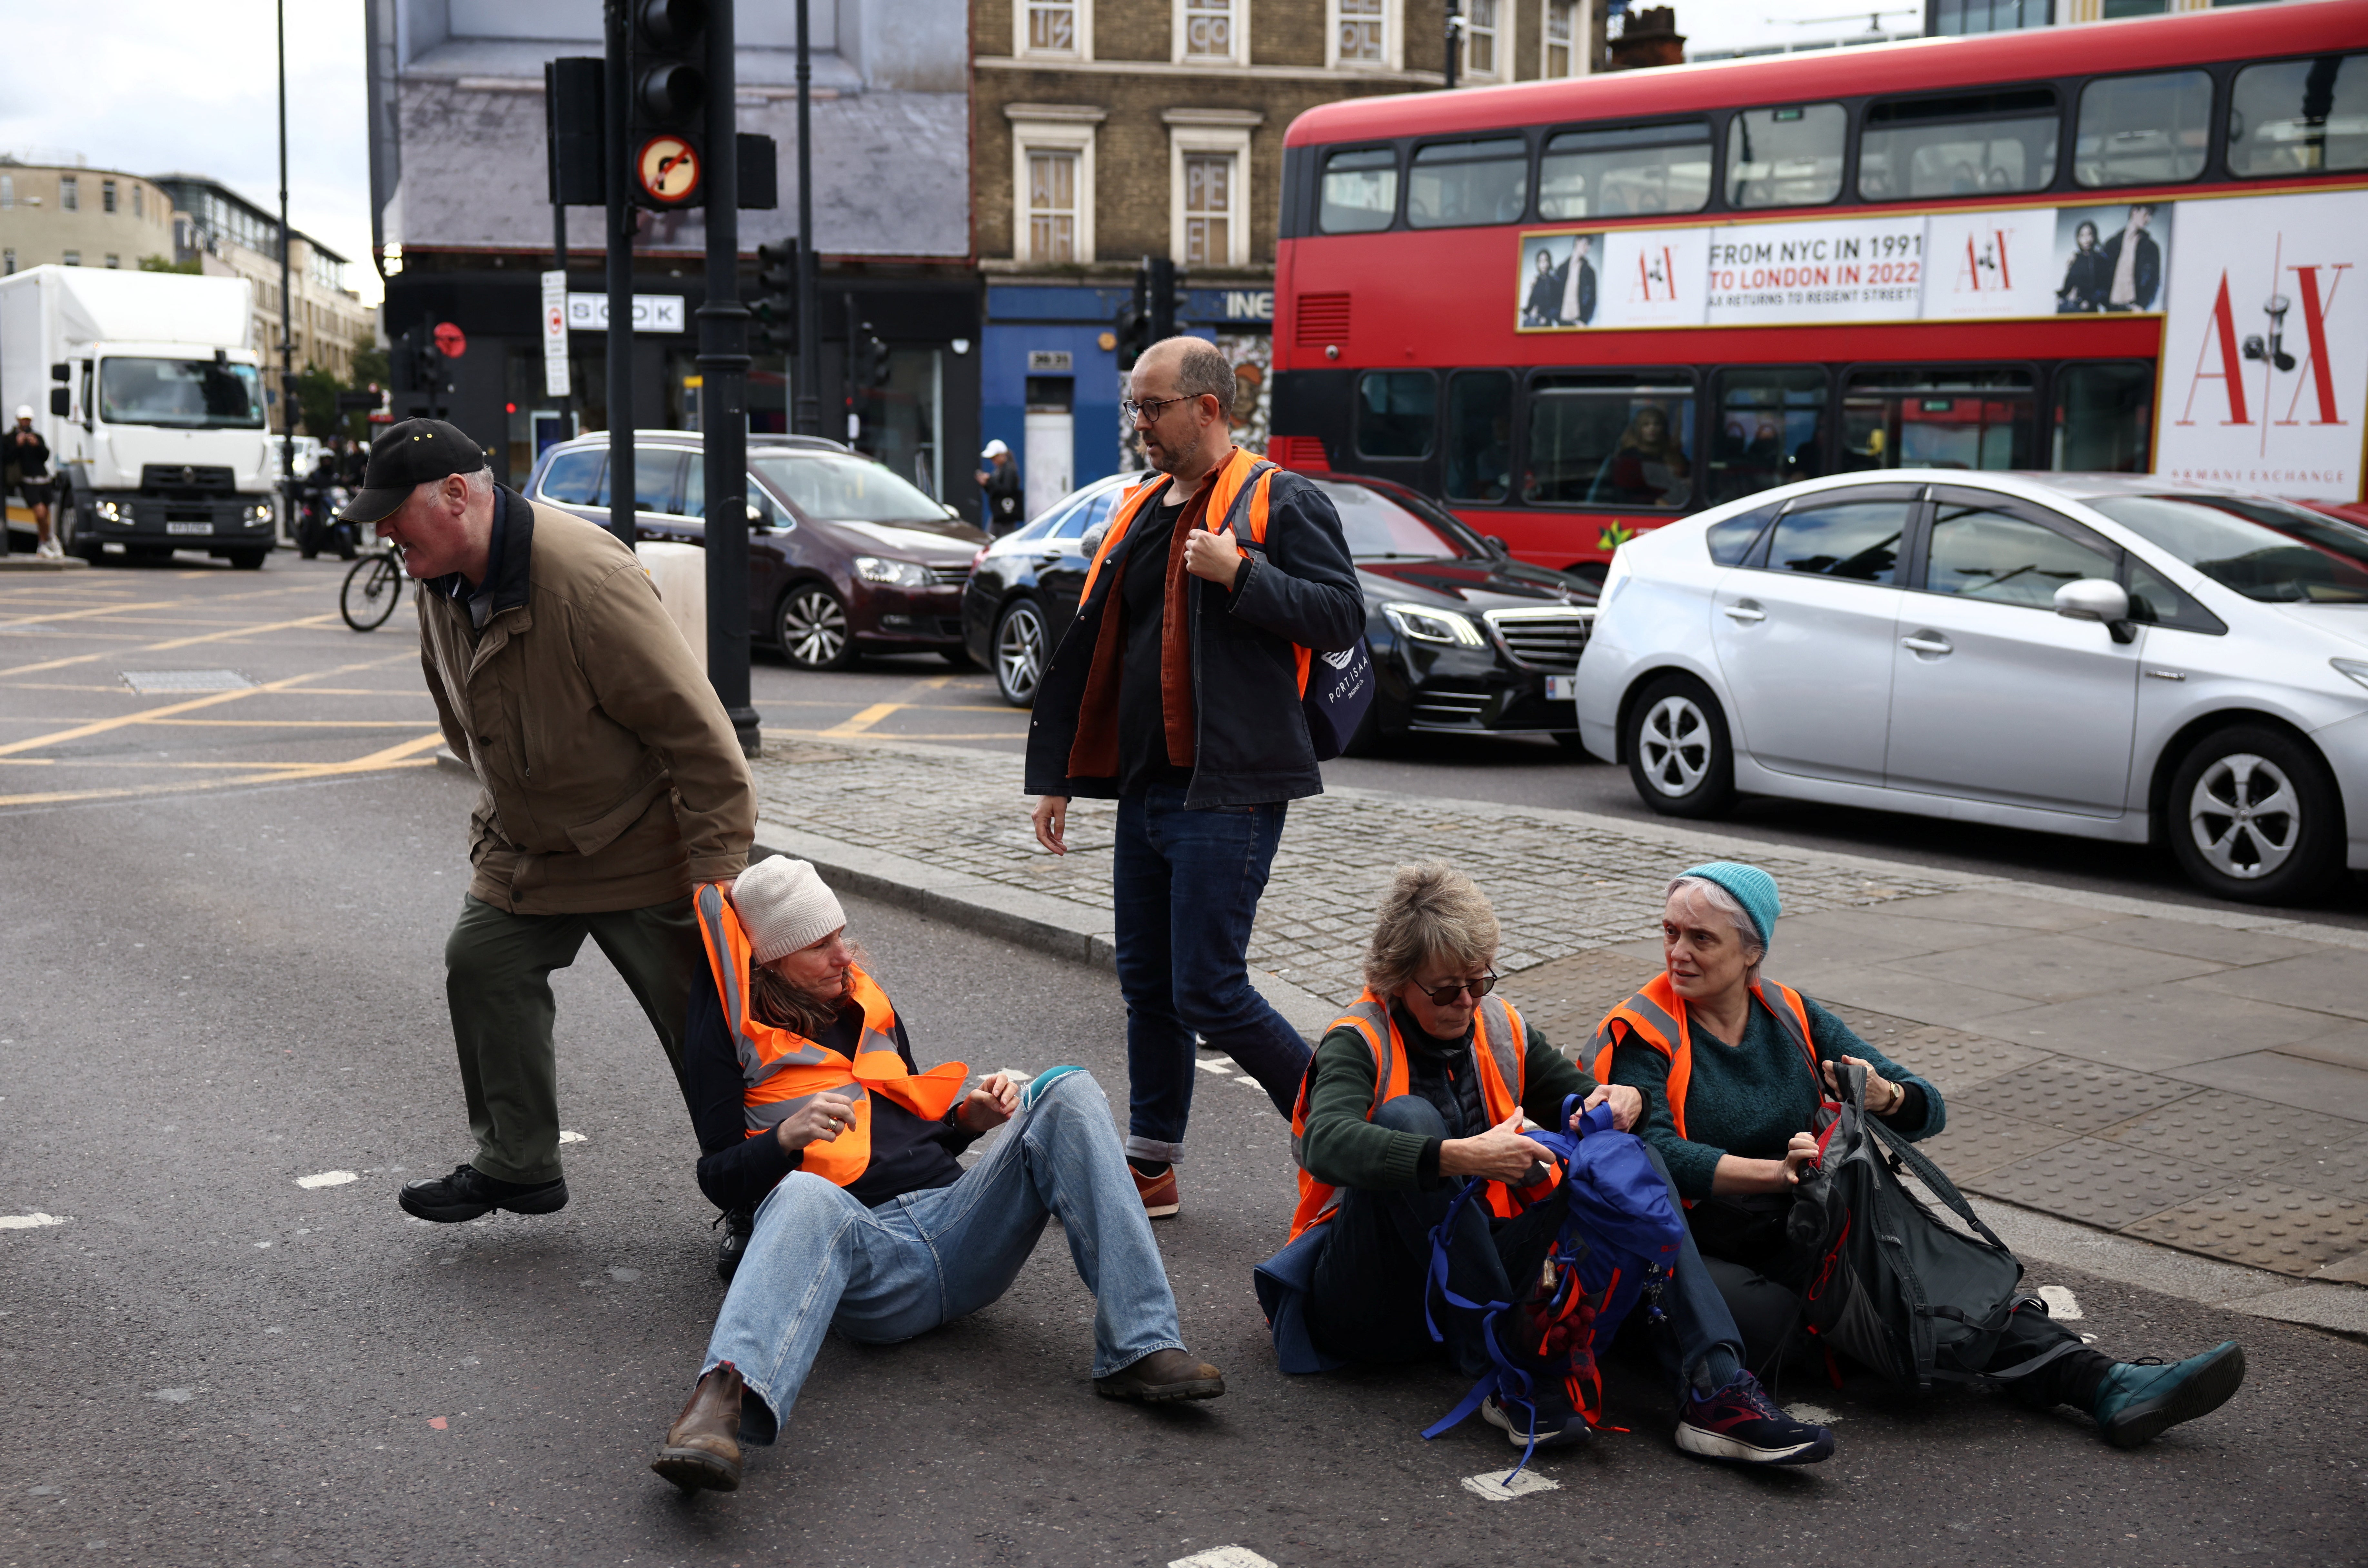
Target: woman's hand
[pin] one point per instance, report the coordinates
(988, 1107)
(1735, 1175)
(1627, 1106)
(821, 1118)
(1882, 1096)
(1800, 1152)
(1501, 1153)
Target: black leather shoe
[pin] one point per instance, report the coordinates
(739, 1224)
(468, 1192)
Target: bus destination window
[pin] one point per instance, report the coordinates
(2299, 116)
(1978, 418)
(1396, 413)
(1455, 184)
(1480, 436)
(1785, 157)
(1974, 144)
(2143, 130)
(1767, 427)
(1621, 171)
(1610, 440)
(2103, 412)
(1359, 191)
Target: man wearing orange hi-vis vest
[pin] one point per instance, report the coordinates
(1178, 692)
(811, 1111)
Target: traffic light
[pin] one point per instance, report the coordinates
(776, 309)
(1164, 292)
(1133, 324)
(870, 360)
(665, 102)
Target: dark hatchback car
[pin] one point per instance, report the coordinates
(1464, 639)
(844, 557)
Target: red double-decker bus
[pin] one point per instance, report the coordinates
(1576, 309)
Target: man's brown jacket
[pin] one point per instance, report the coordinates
(610, 776)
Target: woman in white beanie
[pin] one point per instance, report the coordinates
(813, 1114)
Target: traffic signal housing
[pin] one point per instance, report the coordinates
(775, 308)
(1131, 326)
(870, 360)
(666, 103)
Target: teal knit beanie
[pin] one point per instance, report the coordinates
(1753, 888)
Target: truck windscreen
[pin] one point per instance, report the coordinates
(191, 393)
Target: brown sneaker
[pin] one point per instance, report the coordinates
(703, 1446)
(1163, 1376)
(1158, 1193)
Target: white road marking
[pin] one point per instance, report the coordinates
(1223, 1557)
(566, 1136)
(2061, 1304)
(174, 1396)
(1253, 1083)
(1219, 1068)
(27, 1221)
(327, 1179)
(1811, 1413)
(1492, 1485)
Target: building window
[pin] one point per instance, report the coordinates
(106, 196)
(1051, 206)
(69, 193)
(139, 201)
(71, 259)
(1360, 33)
(7, 191)
(1480, 38)
(1565, 37)
(1053, 182)
(1955, 18)
(1208, 164)
(1055, 27)
(114, 262)
(7, 263)
(1209, 31)
(1208, 209)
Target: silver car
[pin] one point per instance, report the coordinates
(2113, 657)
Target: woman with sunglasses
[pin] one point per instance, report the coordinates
(1423, 1086)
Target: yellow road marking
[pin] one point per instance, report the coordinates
(325, 770)
(176, 642)
(246, 723)
(857, 724)
(85, 614)
(99, 726)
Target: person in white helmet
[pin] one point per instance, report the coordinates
(1006, 508)
(29, 455)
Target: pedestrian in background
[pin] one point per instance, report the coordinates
(1006, 506)
(611, 783)
(1176, 692)
(28, 455)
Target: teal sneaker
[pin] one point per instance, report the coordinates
(2138, 1399)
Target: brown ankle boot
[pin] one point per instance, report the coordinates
(703, 1446)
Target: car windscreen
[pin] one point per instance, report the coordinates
(845, 489)
(1378, 529)
(197, 394)
(2261, 548)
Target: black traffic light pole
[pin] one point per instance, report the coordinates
(620, 278)
(723, 392)
(805, 401)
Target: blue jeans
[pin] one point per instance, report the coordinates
(1185, 888)
(819, 1259)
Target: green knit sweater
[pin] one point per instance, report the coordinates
(1749, 1099)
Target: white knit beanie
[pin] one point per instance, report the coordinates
(783, 906)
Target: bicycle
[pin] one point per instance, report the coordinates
(373, 587)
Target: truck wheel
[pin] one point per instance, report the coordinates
(1678, 756)
(247, 560)
(2253, 816)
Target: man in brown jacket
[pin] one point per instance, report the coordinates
(611, 783)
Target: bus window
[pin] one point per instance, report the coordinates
(1610, 441)
(2300, 115)
(1395, 411)
(1767, 428)
(2143, 130)
(1621, 171)
(1361, 191)
(2102, 414)
(1968, 145)
(1456, 182)
(1785, 157)
(1971, 419)
(1479, 436)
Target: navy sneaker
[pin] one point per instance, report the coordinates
(2139, 1399)
(1740, 1422)
(1558, 1426)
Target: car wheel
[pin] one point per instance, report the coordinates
(811, 628)
(2253, 816)
(247, 560)
(1679, 757)
(958, 657)
(1019, 653)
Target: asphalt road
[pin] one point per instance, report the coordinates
(219, 989)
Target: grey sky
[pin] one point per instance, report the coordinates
(189, 86)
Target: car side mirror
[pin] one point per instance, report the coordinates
(2095, 598)
(61, 372)
(1497, 546)
(61, 402)
(953, 513)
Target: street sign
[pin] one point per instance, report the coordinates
(554, 335)
(668, 168)
(449, 342)
(652, 313)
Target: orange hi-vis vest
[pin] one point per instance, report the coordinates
(1656, 1015)
(1238, 499)
(1500, 1048)
(781, 1070)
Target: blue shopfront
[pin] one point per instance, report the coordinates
(1048, 383)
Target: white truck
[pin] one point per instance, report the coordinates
(147, 388)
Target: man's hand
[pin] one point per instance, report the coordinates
(1211, 557)
(988, 1107)
(1501, 1153)
(822, 1118)
(1627, 1106)
(1051, 816)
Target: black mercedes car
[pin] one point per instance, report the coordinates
(1464, 639)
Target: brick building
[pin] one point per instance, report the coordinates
(1104, 132)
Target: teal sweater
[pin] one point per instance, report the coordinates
(1751, 1099)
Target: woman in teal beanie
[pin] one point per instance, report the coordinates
(1722, 1059)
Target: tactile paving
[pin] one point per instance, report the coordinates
(2097, 1183)
(2265, 1225)
(2248, 1140)
(1567, 997)
(1979, 1140)
(2340, 1170)
(2078, 1096)
(1954, 1059)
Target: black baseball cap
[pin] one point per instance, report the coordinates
(406, 455)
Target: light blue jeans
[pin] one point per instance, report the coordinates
(819, 1259)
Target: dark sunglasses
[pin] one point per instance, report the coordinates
(1446, 994)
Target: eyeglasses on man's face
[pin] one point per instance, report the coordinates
(1148, 411)
(1445, 996)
